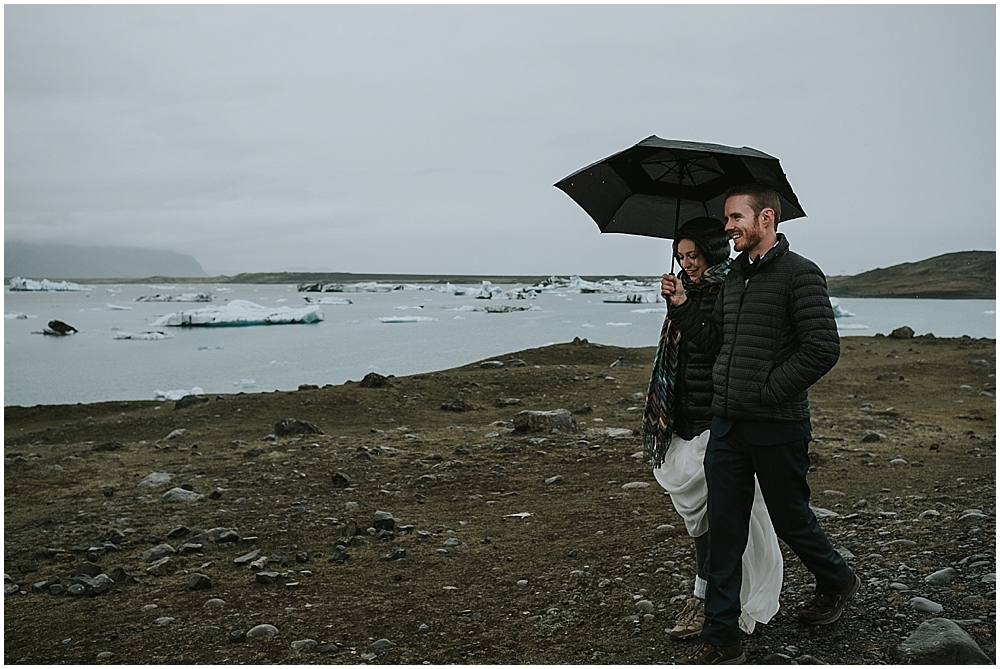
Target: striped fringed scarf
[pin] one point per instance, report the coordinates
(658, 417)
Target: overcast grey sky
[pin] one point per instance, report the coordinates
(427, 138)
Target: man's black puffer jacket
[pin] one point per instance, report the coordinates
(775, 332)
(693, 400)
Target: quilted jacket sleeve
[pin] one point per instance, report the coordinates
(816, 331)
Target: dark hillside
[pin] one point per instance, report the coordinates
(963, 275)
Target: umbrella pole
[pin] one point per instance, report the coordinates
(677, 212)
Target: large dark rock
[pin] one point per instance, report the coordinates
(198, 581)
(905, 332)
(383, 520)
(373, 380)
(293, 427)
(189, 400)
(545, 421)
(60, 328)
(941, 641)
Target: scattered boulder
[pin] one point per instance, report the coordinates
(925, 605)
(264, 631)
(940, 641)
(454, 405)
(383, 520)
(155, 479)
(182, 495)
(189, 400)
(491, 364)
(247, 558)
(198, 581)
(545, 421)
(161, 567)
(872, 436)
(157, 553)
(268, 577)
(290, 427)
(889, 376)
(394, 554)
(980, 363)
(905, 332)
(942, 576)
(341, 480)
(373, 380)
(507, 402)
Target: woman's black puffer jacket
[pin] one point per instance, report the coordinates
(694, 390)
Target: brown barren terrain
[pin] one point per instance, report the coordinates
(461, 578)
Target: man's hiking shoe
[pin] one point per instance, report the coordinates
(825, 609)
(716, 655)
(690, 621)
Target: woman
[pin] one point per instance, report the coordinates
(675, 430)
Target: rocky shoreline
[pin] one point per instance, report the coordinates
(429, 519)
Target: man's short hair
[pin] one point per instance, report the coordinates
(761, 197)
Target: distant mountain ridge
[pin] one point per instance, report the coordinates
(962, 275)
(65, 261)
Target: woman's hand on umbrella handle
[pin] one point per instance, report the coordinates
(672, 290)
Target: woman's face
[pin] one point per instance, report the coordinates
(691, 261)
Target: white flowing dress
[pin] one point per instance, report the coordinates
(682, 475)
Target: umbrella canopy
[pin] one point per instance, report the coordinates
(654, 186)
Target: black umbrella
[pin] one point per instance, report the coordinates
(654, 186)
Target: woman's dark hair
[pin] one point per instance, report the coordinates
(709, 236)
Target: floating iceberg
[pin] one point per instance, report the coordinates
(495, 308)
(241, 312)
(19, 315)
(632, 298)
(407, 319)
(328, 300)
(575, 283)
(839, 311)
(17, 283)
(115, 307)
(364, 287)
(508, 308)
(174, 395)
(488, 291)
(149, 336)
(184, 297)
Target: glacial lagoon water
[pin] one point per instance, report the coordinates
(93, 366)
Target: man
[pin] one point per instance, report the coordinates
(774, 329)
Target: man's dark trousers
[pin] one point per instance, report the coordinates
(779, 456)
